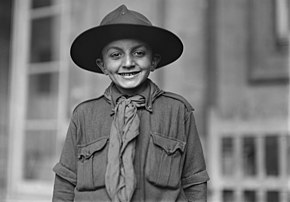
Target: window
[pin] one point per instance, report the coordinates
(268, 24)
(250, 196)
(37, 112)
(228, 196)
(288, 155)
(271, 156)
(273, 196)
(39, 154)
(228, 158)
(44, 40)
(249, 156)
(41, 3)
(282, 21)
(254, 148)
(42, 92)
(249, 161)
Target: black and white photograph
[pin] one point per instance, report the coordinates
(144, 101)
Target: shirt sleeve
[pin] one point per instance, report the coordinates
(197, 193)
(63, 190)
(65, 169)
(194, 174)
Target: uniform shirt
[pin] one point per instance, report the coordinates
(169, 162)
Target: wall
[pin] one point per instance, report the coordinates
(5, 21)
(248, 96)
(239, 97)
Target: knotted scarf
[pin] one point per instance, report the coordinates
(120, 176)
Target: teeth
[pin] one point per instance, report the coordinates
(128, 74)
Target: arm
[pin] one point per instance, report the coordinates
(65, 169)
(197, 193)
(63, 190)
(194, 176)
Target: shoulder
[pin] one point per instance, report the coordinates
(89, 104)
(177, 98)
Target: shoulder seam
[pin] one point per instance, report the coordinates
(180, 98)
(89, 100)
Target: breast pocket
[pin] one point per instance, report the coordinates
(92, 165)
(163, 164)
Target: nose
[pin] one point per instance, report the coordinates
(128, 61)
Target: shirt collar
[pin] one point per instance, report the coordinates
(151, 92)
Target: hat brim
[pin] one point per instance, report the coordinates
(87, 47)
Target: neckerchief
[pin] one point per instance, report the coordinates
(120, 177)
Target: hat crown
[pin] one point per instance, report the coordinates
(122, 15)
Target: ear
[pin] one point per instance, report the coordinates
(155, 61)
(100, 64)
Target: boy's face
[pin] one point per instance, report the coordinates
(128, 63)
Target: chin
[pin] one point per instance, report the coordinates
(132, 87)
(130, 84)
(129, 87)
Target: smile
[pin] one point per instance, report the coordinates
(128, 74)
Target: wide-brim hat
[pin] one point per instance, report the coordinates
(122, 23)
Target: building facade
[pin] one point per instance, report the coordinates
(234, 71)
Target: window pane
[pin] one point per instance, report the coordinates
(288, 154)
(228, 196)
(39, 154)
(41, 3)
(43, 40)
(249, 156)
(273, 196)
(272, 155)
(228, 162)
(249, 196)
(42, 96)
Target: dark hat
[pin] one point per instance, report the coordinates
(124, 24)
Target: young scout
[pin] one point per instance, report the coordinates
(136, 142)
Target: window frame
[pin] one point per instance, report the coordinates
(219, 128)
(17, 186)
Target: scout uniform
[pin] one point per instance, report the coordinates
(130, 148)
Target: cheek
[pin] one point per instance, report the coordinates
(145, 64)
(111, 67)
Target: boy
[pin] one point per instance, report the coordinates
(135, 142)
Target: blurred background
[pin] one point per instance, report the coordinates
(234, 71)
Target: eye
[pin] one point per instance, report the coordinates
(115, 55)
(139, 53)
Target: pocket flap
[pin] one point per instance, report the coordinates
(167, 144)
(88, 150)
